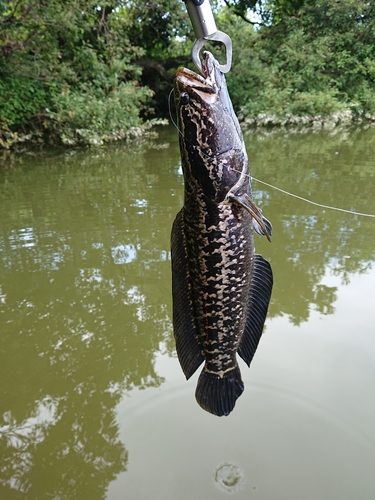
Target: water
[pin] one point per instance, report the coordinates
(93, 401)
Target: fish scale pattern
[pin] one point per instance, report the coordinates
(220, 288)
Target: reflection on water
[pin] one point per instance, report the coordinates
(85, 323)
(336, 170)
(84, 305)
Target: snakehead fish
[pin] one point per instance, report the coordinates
(221, 288)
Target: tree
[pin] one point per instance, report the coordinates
(86, 71)
(316, 62)
(268, 12)
(67, 67)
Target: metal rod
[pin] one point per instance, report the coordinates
(201, 17)
(204, 26)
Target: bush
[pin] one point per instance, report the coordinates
(66, 73)
(316, 61)
(90, 115)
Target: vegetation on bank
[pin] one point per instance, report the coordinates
(315, 65)
(85, 71)
(68, 72)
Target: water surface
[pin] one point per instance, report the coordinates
(93, 402)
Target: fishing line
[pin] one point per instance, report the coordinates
(171, 117)
(313, 202)
(180, 131)
(328, 207)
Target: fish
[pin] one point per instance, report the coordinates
(221, 288)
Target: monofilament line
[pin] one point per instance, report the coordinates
(313, 202)
(328, 207)
(170, 113)
(181, 133)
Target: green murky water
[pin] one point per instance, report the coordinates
(93, 402)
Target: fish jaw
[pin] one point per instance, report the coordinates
(207, 87)
(211, 142)
(205, 112)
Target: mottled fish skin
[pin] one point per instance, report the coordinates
(221, 289)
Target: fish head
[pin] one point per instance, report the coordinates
(211, 141)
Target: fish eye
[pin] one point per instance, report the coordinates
(185, 98)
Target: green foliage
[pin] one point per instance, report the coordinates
(315, 102)
(80, 71)
(267, 11)
(317, 62)
(153, 25)
(21, 97)
(67, 67)
(91, 115)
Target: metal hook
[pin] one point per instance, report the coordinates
(218, 36)
(204, 25)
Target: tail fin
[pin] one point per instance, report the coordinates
(218, 395)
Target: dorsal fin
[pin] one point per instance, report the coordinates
(185, 331)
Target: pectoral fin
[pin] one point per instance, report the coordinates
(188, 350)
(261, 225)
(259, 298)
(259, 229)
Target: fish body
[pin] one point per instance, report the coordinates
(221, 288)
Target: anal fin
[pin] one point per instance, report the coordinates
(259, 298)
(185, 332)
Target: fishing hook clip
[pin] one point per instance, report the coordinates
(204, 25)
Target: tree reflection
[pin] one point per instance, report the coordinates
(85, 288)
(85, 305)
(311, 242)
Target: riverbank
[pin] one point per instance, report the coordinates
(318, 122)
(18, 142)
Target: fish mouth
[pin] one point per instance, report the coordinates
(191, 79)
(207, 84)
